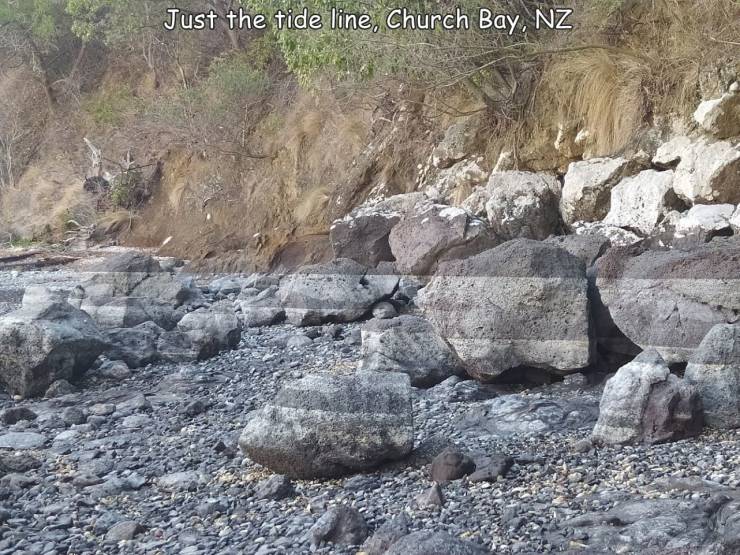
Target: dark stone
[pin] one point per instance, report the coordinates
(451, 465)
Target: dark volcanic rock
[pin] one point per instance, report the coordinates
(44, 342)
(389, 533)
(362, 235)
(450, 465)
(523, 304)
(338, 291)
(431, 233)
(340, 525)
(433, 543)
(668, 300)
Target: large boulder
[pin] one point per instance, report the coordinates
(715, 371)
(524, 205)
(127, 312)
(338, 291)
(325, 426)
(706, 172)
(362, 235)
(408, 344)
(212, 329)
(640, 203)
(261, 308)
(588, 248)
(128, 262)
(130, 289)
(708, 220)
(587, 188)
(433, 232)
(458, 143)
(43, 342)
(136, 346)
(616, 236)
(668, 300)
(644, 403)
(522, 304)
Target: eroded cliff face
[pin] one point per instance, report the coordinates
(305, 156)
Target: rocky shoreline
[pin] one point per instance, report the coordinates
(149, 463)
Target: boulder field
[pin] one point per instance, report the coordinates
(550, 364)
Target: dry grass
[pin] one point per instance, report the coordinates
(640, 59)
(604, 91)
(119, 221)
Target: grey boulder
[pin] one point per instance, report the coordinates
(706, 171)
(668, 300)
(43, 342)
(408, 344)
(715, 371)
(212, 329)
(644, 403)
(329, 426)
(127, 312)
(523, 304)
(433, 543)
(338, 291)
(262, 309)
(135, 346)
(640, 203)
(340, 525)
(363, 234)
(431, 233)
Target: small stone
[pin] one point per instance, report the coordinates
(299, 342)
(195, 408)
(14, 415)
(431, 498)
(340, 525)
(384, 311)
(275, 488)
(60, 388)
(124, 531)
(583, 446)
(102, 409)
(114, 370)
(73, 416)
(451, 465)
(180, 481)
(497, 468)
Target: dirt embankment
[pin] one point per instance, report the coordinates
(298, 157)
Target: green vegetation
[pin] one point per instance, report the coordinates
(108, 108)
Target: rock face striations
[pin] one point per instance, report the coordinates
(328, 426)
(668, 300)
(523, 304)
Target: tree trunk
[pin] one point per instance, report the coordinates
(44, 77)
